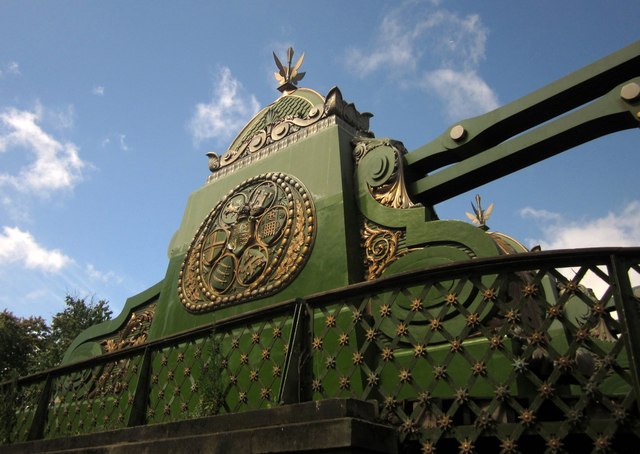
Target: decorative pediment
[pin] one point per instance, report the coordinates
(289, 115)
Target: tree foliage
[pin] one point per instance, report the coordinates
(28, 345)
(78, 315)
(22, 342)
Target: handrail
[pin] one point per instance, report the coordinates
(559, 258)
(401, 338)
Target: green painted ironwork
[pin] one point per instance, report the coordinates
(502, 141)
(312, 265)
(543, 363)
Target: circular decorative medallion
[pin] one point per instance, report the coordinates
(252, 244)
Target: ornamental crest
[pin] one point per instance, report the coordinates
(252, 244)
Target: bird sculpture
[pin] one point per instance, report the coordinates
(480, 216)
(288, 76)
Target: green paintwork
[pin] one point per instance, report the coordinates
(323, 163)
(485, 153)
(82, 347)
(321, 156)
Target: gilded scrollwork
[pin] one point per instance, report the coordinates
(382, 246)
(299, 248)
(391, 190)
(253, 243)
(276, 129)
(336, 105)
(381, 160)
(286, 117)
(134, 332)
(112, 377)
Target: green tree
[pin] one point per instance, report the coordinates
(78, 315)
(29, 345)
(23, 341)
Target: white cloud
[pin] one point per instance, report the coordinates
(463, 93)
(98, 90)
(123, 144)
(56, 166)
(101, 276)
(435, 50)
(17, 246)
(59, 119)
(613, 229)
(16, 208)
(11, 68)
(38, 294)
(228, 111)
(544, 215)
(394, 50)
(118, 140)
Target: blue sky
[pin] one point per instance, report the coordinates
(107, 110)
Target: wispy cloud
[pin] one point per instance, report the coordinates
(41, 277)
(12, 68)
(55, 165)
(540, 215)
(102, 276)
(436, 50)
(463, 93)
(98, 90)
(16, 207)
(118, 140)
(614, 229)
(59, 119)
(123, 143)
(17, 246)
(229, 109)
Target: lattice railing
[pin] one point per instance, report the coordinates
(532, 352)
(92, 399)
(497, 357)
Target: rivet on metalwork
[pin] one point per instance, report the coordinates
(457, 133)
(316, 344)
(416, 305)
(466, 446)
(405, 376)
(630, 92)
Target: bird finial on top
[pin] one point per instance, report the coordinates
(480, 216)
(288, 76)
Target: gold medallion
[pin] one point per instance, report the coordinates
(252, 244)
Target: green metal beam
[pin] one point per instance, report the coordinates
(480, 148)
